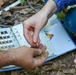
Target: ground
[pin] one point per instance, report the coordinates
(62, 65)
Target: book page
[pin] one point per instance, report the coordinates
(53, 36)
(61, 40)
(18, 31)
(7, 39)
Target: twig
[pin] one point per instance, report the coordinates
(32, 10)
(47, 63)
(5, 26)
(31, 6)
(19, 7)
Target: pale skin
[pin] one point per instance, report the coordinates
(25, 57)
(34, 24)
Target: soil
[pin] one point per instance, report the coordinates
(62, 65)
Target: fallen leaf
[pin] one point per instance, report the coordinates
(9, 22)
(6, 14)
(70, 71)
(60, 73)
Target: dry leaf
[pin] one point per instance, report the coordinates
(70, 71)
(9, 22)
(6, 14)
(60, 73)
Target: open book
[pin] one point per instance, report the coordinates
(53, 36)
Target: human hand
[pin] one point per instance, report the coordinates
(32, 27)
(28, 58)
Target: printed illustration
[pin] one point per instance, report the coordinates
(50, 36)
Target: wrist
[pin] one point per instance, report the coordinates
(42, 15)
(49, 9)
(5, 58)
(12, 56)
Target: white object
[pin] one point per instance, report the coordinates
(11, 6)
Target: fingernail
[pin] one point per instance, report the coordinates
(37, 44)
(47, 52)
(35, 40)
(40, 51)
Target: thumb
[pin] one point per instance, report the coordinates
(36, 35)
(38, 61)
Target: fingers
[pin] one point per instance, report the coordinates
(27, 35)
(31, 33)
(36, 34)
(40, 46)
(40, 60)
(36, 39)
(38, 42)
(39, 51)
